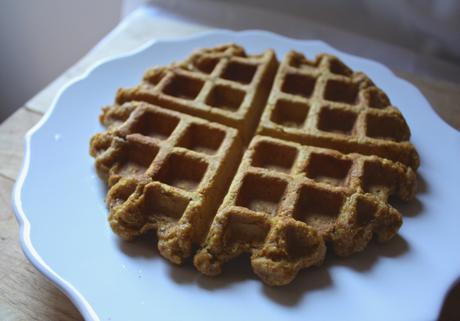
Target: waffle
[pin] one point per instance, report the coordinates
(221, 84)
(326, 150)
(166, 171)
(324, 103)
(287, 200)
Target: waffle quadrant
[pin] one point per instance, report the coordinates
(166, 172)
(324, 103)
(223, 84)
(228, 153)
(287, 200)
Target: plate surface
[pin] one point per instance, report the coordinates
(59, 202)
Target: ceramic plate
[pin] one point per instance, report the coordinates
(59, 201)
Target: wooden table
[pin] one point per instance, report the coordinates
(25, 294)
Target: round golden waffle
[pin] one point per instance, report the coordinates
(230, 153)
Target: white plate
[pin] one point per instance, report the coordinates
(59, 202)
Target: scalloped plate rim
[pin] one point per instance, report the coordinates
(24, 225)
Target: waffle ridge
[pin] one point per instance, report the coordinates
(234, 153)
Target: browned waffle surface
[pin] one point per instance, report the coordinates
(287, 199)
(168, 172)
(324, 103)
(221, 84)
(329, 151)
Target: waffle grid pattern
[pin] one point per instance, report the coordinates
(166, 171)
(341, 199)
(223, 85)
(323, 103)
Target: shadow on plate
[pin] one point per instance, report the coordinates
(239, 270)
(101, 186)
(414, 207)
(308, 280)
(144, 246)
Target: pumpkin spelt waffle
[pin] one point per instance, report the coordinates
(221, 84)
(324, 103)
(167, 172)
(330, 150)
(287, 199)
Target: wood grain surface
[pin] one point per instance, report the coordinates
(27, 295)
